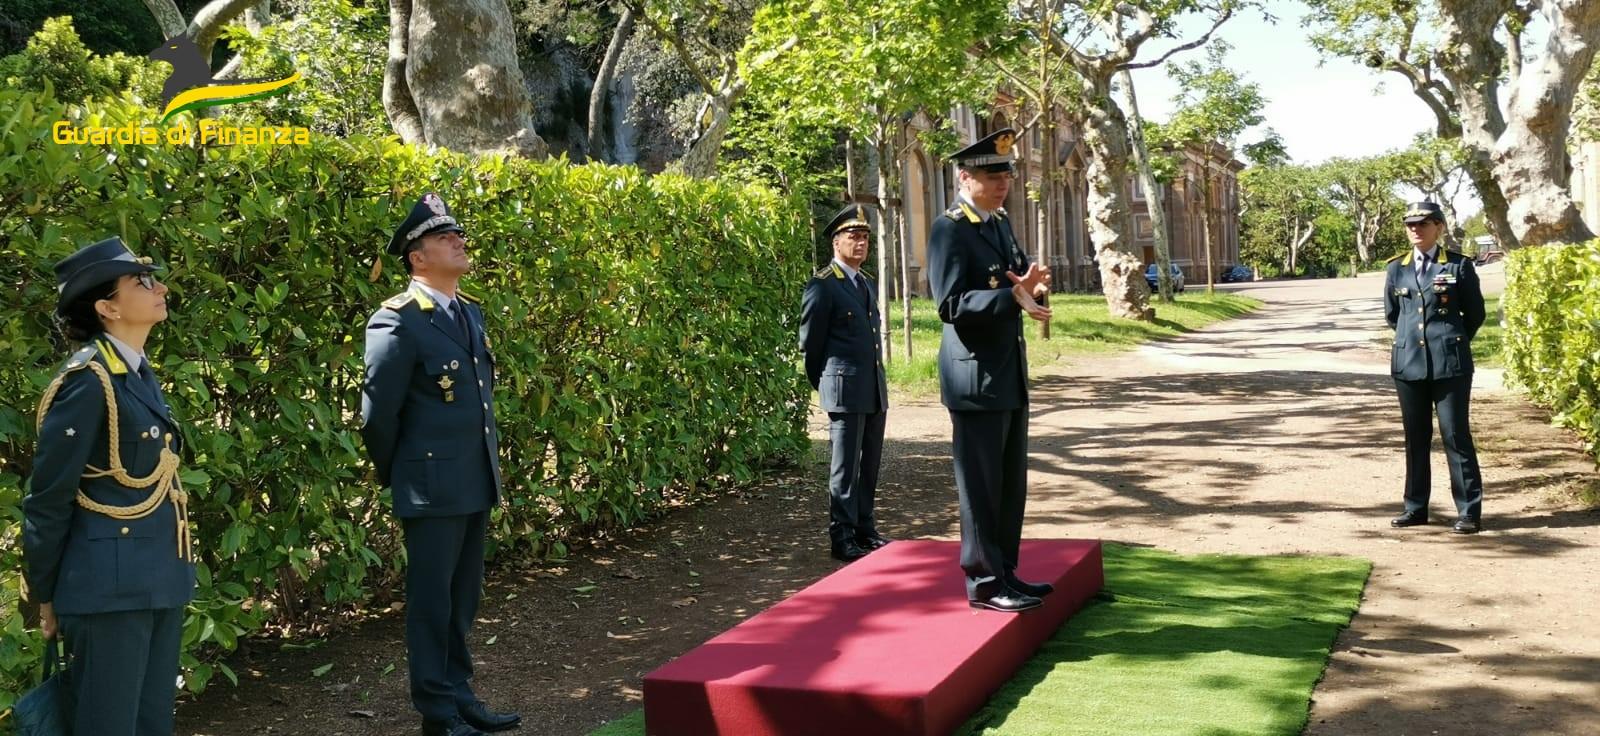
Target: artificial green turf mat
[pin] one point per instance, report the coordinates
(1204, 645)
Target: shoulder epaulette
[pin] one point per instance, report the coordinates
(399, 300)
(953, 213)
(824, 272)
(1394, 258)
(468, 298)
(1001, 212)
(80, 359)
(112, 357)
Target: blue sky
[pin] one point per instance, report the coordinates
(1321, 109)
(1337, 108)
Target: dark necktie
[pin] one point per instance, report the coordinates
(148, 383)
(1422, 267)
(861, 288)
(460, 313)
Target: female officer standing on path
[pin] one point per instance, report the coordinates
(105, 529)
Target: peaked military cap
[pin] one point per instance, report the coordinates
(93, 265)
(429, 215)
(991, 153)
(1422, 212)
(851, 217)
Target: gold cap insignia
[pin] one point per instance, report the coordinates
(1002, 145)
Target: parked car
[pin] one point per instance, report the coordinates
(1237, 273)
(1151, 276)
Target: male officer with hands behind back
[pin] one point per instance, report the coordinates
(839, 337)
(1433, 302)
(427, 411)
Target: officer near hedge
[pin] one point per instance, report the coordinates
(105, 528)
(983, 283)
(839, 338)
(1433, 302)
(427, 410)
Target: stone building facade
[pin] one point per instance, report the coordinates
(929, 187)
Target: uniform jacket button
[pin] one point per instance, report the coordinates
(430, 454)
(124, 531)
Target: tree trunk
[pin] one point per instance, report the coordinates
(1495, 210)
(1121, 275)
(168, 17)
(1299, 243)
(397, 101)
(1152, 190)
(462, 75)
(887, 237)
(700, 161)
(1528, 154)
(1208, 222)
(602, 85)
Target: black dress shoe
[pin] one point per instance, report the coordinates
(452, 727)
(1467, 525)
(1410, 518)
(848, 552)
(1007, 601)
(870, 542)
(1037, 590)
(480, 717)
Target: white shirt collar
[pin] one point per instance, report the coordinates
(130, 356)
(439, 298)
(848, 271)
(983, 214)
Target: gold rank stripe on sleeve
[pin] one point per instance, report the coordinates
(113, 361)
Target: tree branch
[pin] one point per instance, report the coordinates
(1201, 41)
(676, 41)
(209, 20)
(167, 17)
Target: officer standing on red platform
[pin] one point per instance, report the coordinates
(983, 283)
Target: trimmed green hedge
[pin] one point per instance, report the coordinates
(644, 329)
(1552, 341)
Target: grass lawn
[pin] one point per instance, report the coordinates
(1486, 345)
(1078, 325)
(1202, 645)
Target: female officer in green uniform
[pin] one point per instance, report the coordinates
(105, 529)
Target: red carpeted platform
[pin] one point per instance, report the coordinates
(885, 646)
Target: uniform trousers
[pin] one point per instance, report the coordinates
(123, 672)
(991, 466)
(444, 581)
(1451, 398)
(857, 441)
